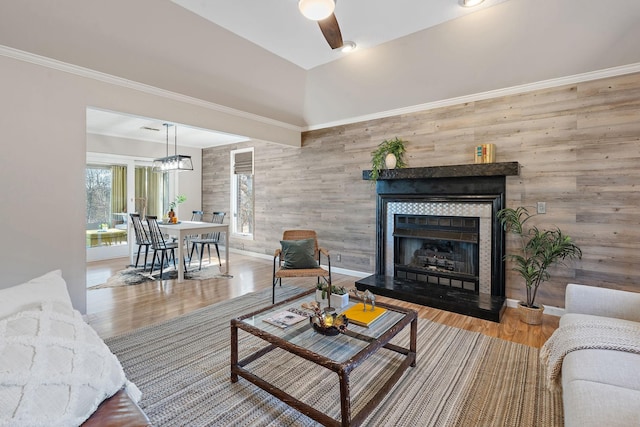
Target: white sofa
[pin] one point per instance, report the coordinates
(601, 387)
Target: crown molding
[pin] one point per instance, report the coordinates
(141, 87)
(152, 90)
(513, 90)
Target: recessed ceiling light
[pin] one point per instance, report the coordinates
(470, 3)
(348, 46)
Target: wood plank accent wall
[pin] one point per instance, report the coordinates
(578, 147)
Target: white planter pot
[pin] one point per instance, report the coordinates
(337, 301)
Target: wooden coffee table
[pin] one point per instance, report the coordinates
(356, 345)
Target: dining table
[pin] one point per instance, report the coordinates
(182, 229)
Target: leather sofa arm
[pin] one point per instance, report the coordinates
(118, 411)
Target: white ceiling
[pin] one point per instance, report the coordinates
(279, 27)
(121, 125)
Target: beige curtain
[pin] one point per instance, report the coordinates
(118, 189)
(149, 187)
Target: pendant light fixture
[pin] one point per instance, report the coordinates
(316, 10)
(175, 163)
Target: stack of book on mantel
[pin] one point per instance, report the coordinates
(358, 316)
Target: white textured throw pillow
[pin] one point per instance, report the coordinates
(54, 368)
(48, 287)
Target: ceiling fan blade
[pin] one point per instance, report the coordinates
(331, 31)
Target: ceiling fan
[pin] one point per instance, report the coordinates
(322, 12)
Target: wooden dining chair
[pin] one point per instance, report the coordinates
(158, 244)
(299, 256)
(142, 238)
(208, 240)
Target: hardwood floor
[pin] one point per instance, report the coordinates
(113, 311)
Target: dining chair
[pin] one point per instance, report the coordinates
(208, 240)
(142, 238)
(299, 256)
(158, 244)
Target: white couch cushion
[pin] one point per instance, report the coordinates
(588, 403)
(573, 318)
(48, 287)
(613, 367)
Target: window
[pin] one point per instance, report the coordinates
(106, 188)
(98, 184)
(242, 191)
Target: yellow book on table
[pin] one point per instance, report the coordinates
(358, 316)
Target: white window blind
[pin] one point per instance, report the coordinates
(243, 163)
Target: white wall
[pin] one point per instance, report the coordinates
(42, 117)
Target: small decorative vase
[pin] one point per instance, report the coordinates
(530, 315)
(390, 161)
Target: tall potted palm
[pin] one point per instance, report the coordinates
(540, 249)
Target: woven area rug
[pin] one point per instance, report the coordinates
(135, 276)
(462, 378)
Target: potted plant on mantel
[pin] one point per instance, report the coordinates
(540, 250)
(389, 155)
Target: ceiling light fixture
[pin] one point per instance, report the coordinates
(175, 163)
(470, 3)
(316, 10)
(348, 46)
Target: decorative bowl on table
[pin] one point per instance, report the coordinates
(329, 323)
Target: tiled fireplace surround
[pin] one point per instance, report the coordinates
(471, 191)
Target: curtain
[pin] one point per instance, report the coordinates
(148, 191)
(118, 189)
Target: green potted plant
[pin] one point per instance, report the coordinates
(540, 249)
(389, 155)
(339, 295)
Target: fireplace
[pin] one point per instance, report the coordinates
(439, 242)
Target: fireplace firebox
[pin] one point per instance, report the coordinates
(436, 249)
(439, 242)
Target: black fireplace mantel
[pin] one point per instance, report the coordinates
(453, 171)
